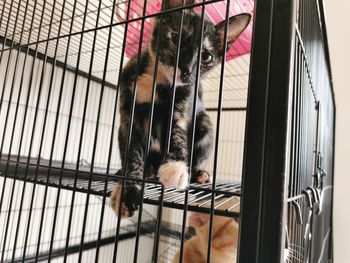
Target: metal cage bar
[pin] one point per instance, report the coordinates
(282, 130)
(290, 103)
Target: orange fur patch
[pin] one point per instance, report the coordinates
(224, 239)
(116, 200)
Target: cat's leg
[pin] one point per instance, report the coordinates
(154, 160)
(134, 169)
(203, 144)
(174, 170)
(131, 197)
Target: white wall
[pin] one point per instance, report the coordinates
(337, 12)
(231, 132)
(229, 158)
(231, 129)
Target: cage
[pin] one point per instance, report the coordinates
(270, 101)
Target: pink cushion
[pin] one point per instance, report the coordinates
(214, 12)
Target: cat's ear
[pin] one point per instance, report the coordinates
(236, 25)
(176, 3)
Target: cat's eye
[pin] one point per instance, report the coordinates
(207, 58)
(173, 35)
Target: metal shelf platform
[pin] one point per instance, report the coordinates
(97, 182)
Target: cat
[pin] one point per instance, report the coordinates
(173, 168)
(224, 240)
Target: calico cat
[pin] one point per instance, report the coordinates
(224, 239)
(172, 169)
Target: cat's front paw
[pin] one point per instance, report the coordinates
(131, 199)
(174, 174)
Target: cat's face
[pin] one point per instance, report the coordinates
(212, 44)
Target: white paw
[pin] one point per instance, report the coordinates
(174, 174)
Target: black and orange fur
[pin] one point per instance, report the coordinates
(171, 168)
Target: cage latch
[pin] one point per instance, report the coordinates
(312, 200)
(297, 211)
(320, 173)
(307, 234)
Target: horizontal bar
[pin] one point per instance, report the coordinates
(80, 180)
(228, 109)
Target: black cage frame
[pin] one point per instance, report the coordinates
(282, 52)
(287, 181)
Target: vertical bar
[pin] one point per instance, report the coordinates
(96, 132)
(10, 96)
(146, 152)
(67, 138)
(218, 124)
(69, 120)
(111, 138)
(131, 121)
(9, 58)
(1, 23)
(193, 125)
(34, 124)
(159, 222)
(265, 152)
(14, 122)
(45, 122)
(44, 125)
(293, 185)
(170, 119)
(329, 81)
(112, 133)
(172, 103)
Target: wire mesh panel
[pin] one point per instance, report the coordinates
(61, 66)
(293, 156)
(100, 99)
(311, 170)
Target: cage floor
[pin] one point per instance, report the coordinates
(96, 182)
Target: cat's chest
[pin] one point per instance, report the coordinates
(160, 113)
(167, 97)
(164, 105)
